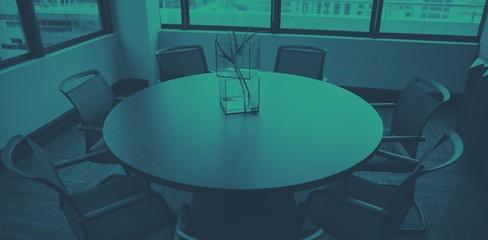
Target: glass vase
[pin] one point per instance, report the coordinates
(239, 95)
(237, 64)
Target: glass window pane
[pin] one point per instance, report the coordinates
(336, 15)
(12, 39)
(447, 17)
(170, 11)
(241, 13)
(60, 21)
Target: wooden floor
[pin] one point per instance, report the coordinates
(456, 204)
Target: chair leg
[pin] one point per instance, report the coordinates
(127, 171)
(422, 226)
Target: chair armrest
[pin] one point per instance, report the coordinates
(359, 204)
(383, 105)
(90, 128)
(76, 160)
(113, 207)
(315, 235)
(119, 99)
(180, 235)
(403, 138)
(396, 157)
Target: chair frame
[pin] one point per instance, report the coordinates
(57, 185)
(301, 47)
(181, 48)
(412, 140)
(408, 183)
(89, 130)
(445, 97)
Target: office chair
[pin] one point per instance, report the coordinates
(181, 61)
(301, 60)
(93, 99)
(355, 208)
(415, 106)
(120, 207)
(184, 232)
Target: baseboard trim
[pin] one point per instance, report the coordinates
(46, 134)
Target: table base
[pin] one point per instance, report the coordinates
(244, 210)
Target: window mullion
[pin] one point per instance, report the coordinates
(185, 14)
(376, 12)
(275, 16)
(28, 19)
(105, 16)
(482, 23)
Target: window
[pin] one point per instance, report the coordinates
(29, 29)
(170, 11)
(239, 13)
(317, 15)
(60, 21)
(445, 17)
(12, 39)
(455, 20)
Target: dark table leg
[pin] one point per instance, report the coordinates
(244, 210)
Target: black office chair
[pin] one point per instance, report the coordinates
(355, 208)
(301, 60)
(120, 207)
(93, 99)
(184, 232)
(415, 106)
(181, 61)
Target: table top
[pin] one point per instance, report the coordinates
(306, 133)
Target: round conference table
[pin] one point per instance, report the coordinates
(306, 133)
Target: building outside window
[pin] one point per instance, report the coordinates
(170, 11)
(63, 20)
(12, 39)
(421, 17)
(334, 15)
(447, 17)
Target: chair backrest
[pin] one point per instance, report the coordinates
(301, 60)
(92, 97)
(404, 196)
(181, 61)
(43, 172)
(415, 105)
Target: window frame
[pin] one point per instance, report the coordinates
(30, 28)
(374, 30)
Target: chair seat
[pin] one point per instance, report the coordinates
(108, 158)
(340, 219)
(355, 208)
(382, 164)
(362, 189)
(99, 145)
(131, 222)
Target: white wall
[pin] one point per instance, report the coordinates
(358, 62)
(137, 23)
(29, 95)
